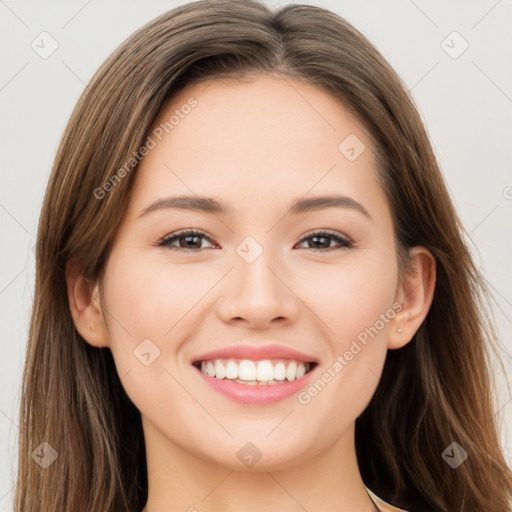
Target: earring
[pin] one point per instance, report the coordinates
(399, 329)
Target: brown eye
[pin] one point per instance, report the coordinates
(187, 240)
(191, 240)
(321, 240)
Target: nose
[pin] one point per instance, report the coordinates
(258, 294)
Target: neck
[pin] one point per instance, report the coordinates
(180, 481)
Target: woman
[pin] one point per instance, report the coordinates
(325, 350)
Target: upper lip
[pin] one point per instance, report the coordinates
(255, 352)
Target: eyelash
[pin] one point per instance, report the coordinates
(166, 242)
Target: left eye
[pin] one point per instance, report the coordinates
(192, 240)
(328, 236)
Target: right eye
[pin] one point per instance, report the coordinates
(190, 238)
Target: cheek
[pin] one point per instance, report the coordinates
(146, 305)
(350, 296)
(360, 301)
(150, 297)
(357, 306)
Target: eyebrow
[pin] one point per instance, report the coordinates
(216, 207)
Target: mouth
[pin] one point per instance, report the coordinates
(255, 382)
(255, 372)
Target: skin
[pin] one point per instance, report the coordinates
(257, 145)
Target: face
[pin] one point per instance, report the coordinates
(320, 279)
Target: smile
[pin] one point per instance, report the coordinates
(254, 372)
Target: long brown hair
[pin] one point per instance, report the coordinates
(434, 391)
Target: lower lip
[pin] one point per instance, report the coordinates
(256, 394)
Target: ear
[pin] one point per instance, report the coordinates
(85, 307)
(415, 293)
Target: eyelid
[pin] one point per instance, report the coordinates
(326, 231)
(164, 241)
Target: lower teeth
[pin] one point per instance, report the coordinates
(257, 382)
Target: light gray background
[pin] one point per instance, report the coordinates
(466, 103)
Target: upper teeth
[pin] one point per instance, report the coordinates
(245, 369)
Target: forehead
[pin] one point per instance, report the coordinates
(256, 138)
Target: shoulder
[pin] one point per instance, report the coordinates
(383, 506)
